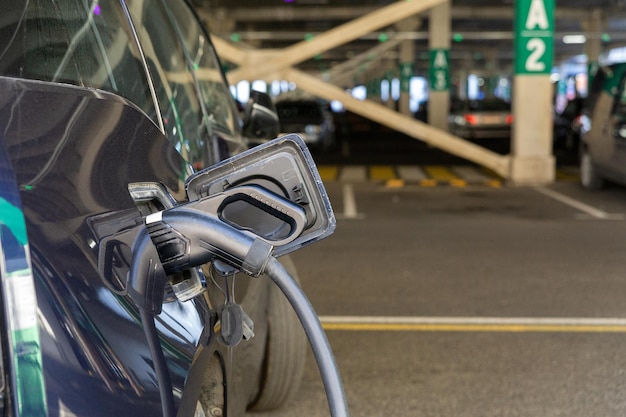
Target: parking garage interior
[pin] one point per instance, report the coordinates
(493, 293)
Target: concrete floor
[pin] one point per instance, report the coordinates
(473, 253)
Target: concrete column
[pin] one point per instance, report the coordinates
(407, 57)
(439, 38)
(491, 68)
(407, 62)
(532, 161)
(531, 149)
(463, 73)
(390, 68)
(594, 27)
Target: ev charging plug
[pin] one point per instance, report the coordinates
(186, 238)
(175, 240)
(192, 234)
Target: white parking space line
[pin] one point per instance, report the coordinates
(470, 174)
(349, 204)
(411, 173)
(475, 324)
(579, 205)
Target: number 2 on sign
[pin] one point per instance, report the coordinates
(537, 48)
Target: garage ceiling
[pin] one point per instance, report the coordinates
(485, 27)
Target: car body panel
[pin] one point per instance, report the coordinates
(604, 135)
(21, 364)
(96, 347)
(73, 144)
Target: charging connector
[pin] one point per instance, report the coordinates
(185, 238)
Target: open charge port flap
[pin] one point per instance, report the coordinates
(283, 167)
(273, 220)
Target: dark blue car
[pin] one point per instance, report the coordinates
(99, 102)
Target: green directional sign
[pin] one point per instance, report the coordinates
(534, 36)
(439, 73)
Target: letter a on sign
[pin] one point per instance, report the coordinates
(534, 32)
(537, 16)
(440, 60)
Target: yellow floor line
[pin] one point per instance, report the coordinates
(501, 328)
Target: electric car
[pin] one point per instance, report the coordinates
(106, 108)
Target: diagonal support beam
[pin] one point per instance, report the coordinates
(383, 17)
(261, 64)
(277, 64)
(407, 125)
(340, 73)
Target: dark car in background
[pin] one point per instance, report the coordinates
(99, 102)
(568, 124)
(310, 119)
(486, 118)
(603, 135)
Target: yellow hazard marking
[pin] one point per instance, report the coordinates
(429, 182)
(394, 183)
(440, 173)
(328, 172)
(493, 183)
(382, 172)
(567, 176)
(457, 182)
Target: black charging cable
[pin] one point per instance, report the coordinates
(315, 333)
(182, 238)
(146, 286)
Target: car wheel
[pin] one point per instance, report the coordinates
(286, 348)
(589, 177)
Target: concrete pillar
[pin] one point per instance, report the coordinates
(439, 40)
(531, 150)
(594, 26)
(491, 68)
(390, 70)
(407, 63)
(532, 161)
(463, 73)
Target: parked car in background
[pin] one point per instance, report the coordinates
(97, 100)
(310, 119)
(603, 136)
(567, 125)
(486, 118)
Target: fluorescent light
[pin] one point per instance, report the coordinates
(572, 39)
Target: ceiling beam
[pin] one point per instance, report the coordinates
(286, 14)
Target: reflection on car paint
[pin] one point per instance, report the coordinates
(24, 354)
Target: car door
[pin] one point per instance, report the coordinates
(617, 133)
(603, 101)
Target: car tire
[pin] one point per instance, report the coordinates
(589, 177)
(286, 349)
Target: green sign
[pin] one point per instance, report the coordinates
(439, 73)
(534, 33)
